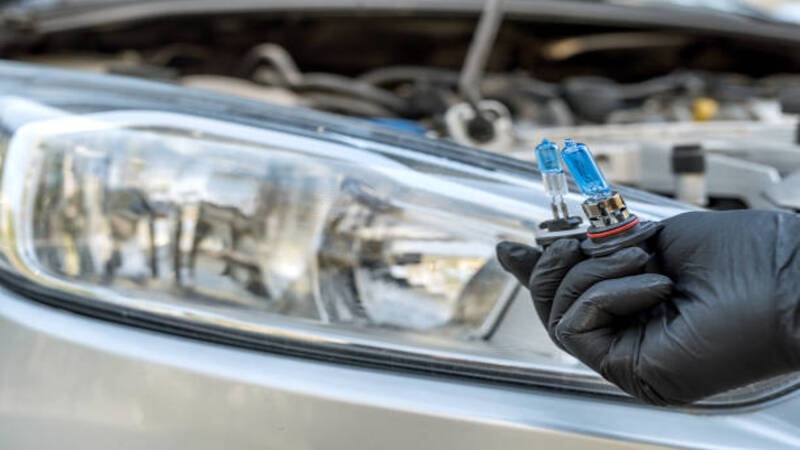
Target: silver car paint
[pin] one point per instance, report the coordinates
(69, 381)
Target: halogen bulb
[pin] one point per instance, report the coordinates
(611, 225)
(547, 157)
(553, 177)
(584, 170)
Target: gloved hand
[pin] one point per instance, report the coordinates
(721, 313)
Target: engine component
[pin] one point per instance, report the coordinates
(479, 50)
(593, 98)
(704, 109)
(493, 132)
(689, 167)
(741, 166)
(786, 193)
(244, 88)
(563, 49)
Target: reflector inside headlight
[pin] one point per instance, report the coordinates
(280, 235)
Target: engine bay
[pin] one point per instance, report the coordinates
(633, 93)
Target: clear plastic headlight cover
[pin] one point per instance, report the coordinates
(288, 231)
(177, 209)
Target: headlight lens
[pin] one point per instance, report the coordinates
(303, 239)
(185, 210)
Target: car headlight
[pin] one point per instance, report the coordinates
(283, 230)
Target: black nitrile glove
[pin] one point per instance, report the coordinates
(721, 313)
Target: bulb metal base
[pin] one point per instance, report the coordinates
(613, 227)
(608, 212)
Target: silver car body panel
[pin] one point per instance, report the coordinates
(70, 381)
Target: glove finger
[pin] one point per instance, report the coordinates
(609, 300)
(518, 259)
(626, 262)
(552, 267)
(587, 329)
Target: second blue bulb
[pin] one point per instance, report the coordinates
(584, 170)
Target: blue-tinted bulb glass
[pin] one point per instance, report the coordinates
(547, 157)
(585, 171)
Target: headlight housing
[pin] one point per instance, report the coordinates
(283, 230)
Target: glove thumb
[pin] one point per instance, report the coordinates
(518, 259)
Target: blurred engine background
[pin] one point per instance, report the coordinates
(641, 96)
